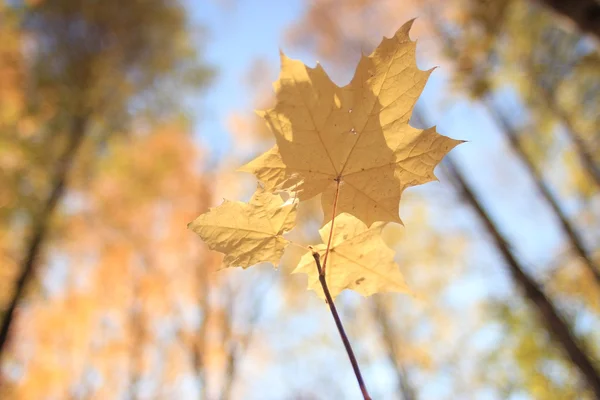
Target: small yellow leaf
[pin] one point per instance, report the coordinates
(358, 135)
(358, 260)
(250, 233)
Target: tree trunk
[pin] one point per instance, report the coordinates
(569, 230)
(507, 130)
(41, 225)
(550, 316)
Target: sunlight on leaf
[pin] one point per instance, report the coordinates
(358, 134)
(358, 259)
(248, 233)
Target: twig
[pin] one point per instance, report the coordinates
(237, 349)
(389, 336)
(340, 327)
(335, 201)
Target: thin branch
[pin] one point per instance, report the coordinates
(228, 342)
(340, 327)
(198, 343)
(138, 333)
(335, 201)
(301, 246)
(389, 337)
(237, 350)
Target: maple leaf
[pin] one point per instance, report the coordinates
(351, 143)
(358, 259)
(248, 233)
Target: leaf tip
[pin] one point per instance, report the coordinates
(456, 142)
(282, 57)
(192, 225)
(404, 30)
(246, 168)
(400, 221)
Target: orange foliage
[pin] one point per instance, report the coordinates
(134, 271)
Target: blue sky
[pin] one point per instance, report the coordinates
(239, 34)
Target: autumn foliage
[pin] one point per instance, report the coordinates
(121, 122)
(353, 145)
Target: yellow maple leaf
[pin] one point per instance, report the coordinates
(248, 233)
(352, 143)
(358, 259)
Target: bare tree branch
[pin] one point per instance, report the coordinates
(340, 327)
(237, 349)
(391, 340)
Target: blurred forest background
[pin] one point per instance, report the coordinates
(121, 121)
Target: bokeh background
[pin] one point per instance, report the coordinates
(121, 121)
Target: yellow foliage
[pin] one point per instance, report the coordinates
(353, 145)
(248, 233)
(357, 134)
(358, 259)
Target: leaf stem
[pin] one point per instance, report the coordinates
(340, 327)
(306, 248)
(335, 201)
